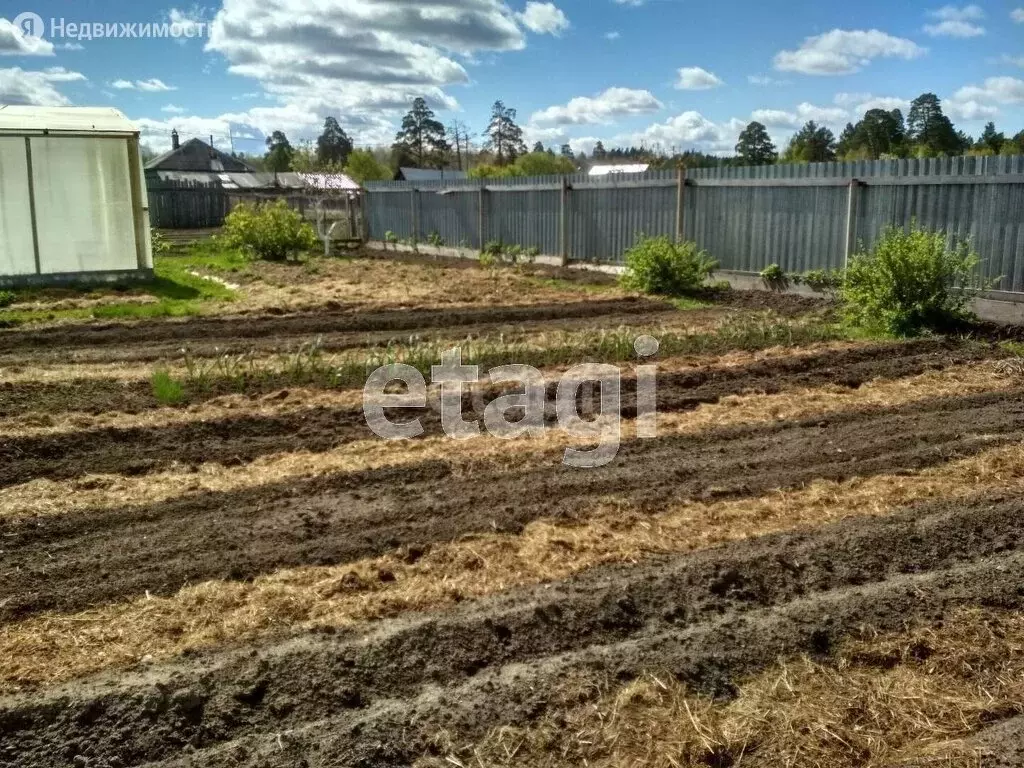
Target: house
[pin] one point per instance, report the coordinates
(430, 174)
(195, 155)
(73, 206)
(605, 170)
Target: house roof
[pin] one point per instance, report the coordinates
(604, 170)
(23, 120)
(431, 174)
(197, 155)
(257, 180)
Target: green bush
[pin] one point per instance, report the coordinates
(7, 298)
(912, 281)
(773, 275)
(822, 281)
(660, 266)
(270, 231)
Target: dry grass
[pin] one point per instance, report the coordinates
(93, 492)
(884, 700)
(50, 648)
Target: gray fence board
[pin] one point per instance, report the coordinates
(746, 218)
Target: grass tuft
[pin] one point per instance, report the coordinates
(166, 389)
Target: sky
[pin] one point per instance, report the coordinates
(665, 74)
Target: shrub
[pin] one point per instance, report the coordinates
(270, 231)
(660, 266)
(821, 281)
(773, 275)
(912, 281)
(7, 298)
(435, 239)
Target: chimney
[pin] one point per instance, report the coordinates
(175, 143)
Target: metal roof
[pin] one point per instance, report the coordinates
(196, 156)
(604, 170)
(432, 174)
(259, 180)
(99, 120)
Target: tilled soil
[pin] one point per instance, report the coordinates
(242, 438)
(376, 695)
(243, 332)
(376, 698)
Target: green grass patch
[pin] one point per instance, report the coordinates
(166, 389)
(310, 366)
(177, 291)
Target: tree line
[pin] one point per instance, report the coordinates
(879, 134)
(423, 141)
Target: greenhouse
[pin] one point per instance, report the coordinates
(72, 197)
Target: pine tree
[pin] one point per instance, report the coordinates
(504, 136)
(755, 145)
(333, 146)
(421, 141)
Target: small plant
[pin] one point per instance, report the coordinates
(913, 280)
(435, 239)
(271, 231)
(513, 254)
(531, 254)
(487, 259)
(413, 243)
(390, 238)
(159, 244)
(495, 248)
(166, 389)
(658, 265)
(7, 298)
(821, 281)
(773, 276)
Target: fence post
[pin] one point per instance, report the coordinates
(680, 199)
(481, 206)
(415, 234)
(851, 221)
(563, 222)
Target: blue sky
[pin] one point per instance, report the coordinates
(670, 73)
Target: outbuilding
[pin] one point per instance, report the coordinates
(73, 202)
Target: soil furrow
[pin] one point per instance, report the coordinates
(329, 341)
(213, 331)
(700, 616)
(243, 438)
(67, 563)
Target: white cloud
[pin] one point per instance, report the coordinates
(1001, 90)
(1017, 61)
(859, 103)
(956, 22)
(606, 107)
(18, 86)
(842, 52)
(14, 43)
(766, 80)
(173, 109)
(362, 60)
(612, 35)
(969, 109)
(780, 118)
(153, 85)
(961, 29)
(631, 3)
(1017, 14)
(585, 144)
(689, 130)
(697, 79)
(543, 18)
(954, 13)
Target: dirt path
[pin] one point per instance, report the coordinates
(377, 698)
